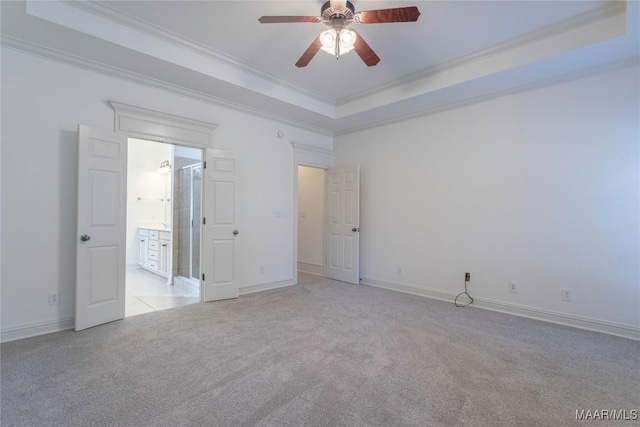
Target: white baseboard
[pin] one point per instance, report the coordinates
(259, 287)
(625, 331)
(41, 328)
(581, 322)
(409, 289)
(307, 267)
(34, 329)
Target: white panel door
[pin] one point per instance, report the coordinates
(343, 224)
(101, 227)
(221, 235)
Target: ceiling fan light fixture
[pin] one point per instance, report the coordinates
(328, 38)
(347, 38)
(338, 39)
(337, 43)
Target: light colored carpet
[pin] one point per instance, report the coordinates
(321, 353)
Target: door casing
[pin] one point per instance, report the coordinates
(153, 125)
(315, 158)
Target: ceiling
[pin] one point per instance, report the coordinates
(457, 52)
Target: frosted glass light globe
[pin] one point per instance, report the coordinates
(347, 38)
(328, 38)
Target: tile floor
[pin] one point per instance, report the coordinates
(147, 292)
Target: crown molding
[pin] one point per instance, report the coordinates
(108, 12)
(609, 9)
(100, 68)
(103, 10)
(45, 52)
(631, 61)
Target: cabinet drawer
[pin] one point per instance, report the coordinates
(164, 235)
(153, 255)
(143, 232)
(153, 245)
(153, 234)
(153, 265)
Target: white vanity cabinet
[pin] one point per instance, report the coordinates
(154, 250)
(143, 247)
(163, 253)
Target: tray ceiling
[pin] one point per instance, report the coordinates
(457, 52)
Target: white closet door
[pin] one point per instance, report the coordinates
(343, 224)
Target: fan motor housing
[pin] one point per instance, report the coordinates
(337, 18)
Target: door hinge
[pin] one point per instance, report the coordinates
(204, 220)
(202, 276)
(204, 165)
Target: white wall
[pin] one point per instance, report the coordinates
(541, 188)
(42, 104)
(188, 152)
(310, 219)
(143, 180)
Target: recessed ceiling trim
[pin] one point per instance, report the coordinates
(106, 11)
(633, 61)
(51, 54)
(80, 20)
(608, 10)
(417, 101)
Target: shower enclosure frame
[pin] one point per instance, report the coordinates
(194, 221)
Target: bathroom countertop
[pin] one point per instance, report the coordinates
(153, 226)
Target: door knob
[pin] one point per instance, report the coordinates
(85, 237)
(235, 232)
(354, 229)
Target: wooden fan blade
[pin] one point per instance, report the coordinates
(308, 54)
(285, 19)
(364, 51)
(399, 14)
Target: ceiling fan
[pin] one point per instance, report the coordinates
(338, 39)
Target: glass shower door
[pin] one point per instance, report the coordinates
(196, 214)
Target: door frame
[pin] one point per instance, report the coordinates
(154, 125)
(304, 155)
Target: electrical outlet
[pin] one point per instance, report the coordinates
(399, 271)
(566, 295)
(54, 298)
(467, 277)
(513, 287)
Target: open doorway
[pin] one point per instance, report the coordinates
(163, 226)
(311, 217)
